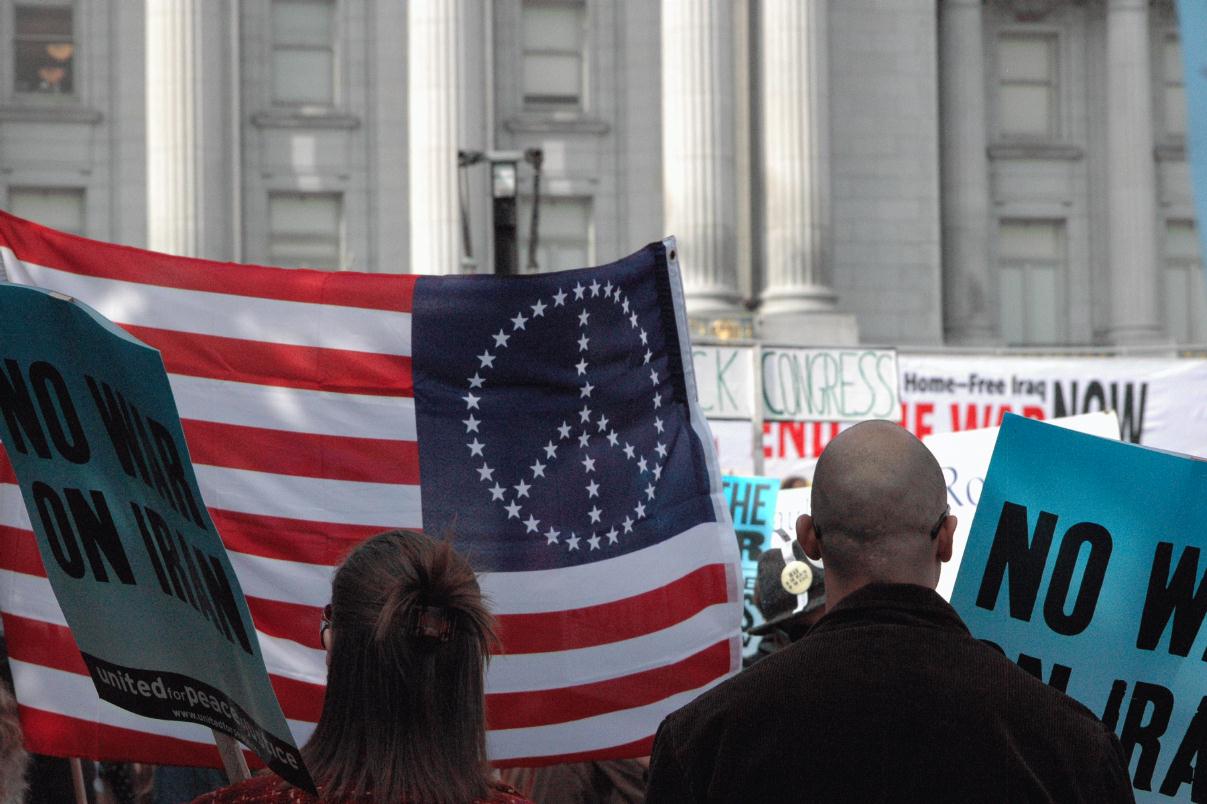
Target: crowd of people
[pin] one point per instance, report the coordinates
(870, 687)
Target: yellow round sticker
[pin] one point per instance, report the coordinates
(797, 577)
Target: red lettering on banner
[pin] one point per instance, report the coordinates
(1001, 413)
(969, 422)
(1034, 412)
(768, 450)
(795, 430)
(922, 413)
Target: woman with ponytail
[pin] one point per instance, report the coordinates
(407, 636)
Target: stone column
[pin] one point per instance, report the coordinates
(798, 303)
(190, 136)
(1131, 202)
(698, 152)
(967, 282)
(432, 74)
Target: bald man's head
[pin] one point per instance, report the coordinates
(878, 495)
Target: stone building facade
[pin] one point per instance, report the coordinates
(909, 172)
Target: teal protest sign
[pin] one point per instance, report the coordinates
(752, 505)
(1084, 565)
(143, 580)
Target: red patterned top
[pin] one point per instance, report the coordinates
(266, 790)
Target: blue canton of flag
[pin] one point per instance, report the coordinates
(552, 414)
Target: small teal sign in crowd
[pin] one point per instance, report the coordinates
(752, 506)
(1085, 566)
(135, 562)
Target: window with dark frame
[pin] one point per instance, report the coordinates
(303, 52)
(43, 50)
(552, 44)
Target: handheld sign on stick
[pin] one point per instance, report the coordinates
(1085, 566)
(135, 562)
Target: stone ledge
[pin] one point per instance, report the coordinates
(50, 114)
(296, 118)
(1036, 150)
(537, 123)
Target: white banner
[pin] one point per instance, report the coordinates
(1159, 402)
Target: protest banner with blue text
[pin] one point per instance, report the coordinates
(128, 546)
(752, 502)
(1084, 565)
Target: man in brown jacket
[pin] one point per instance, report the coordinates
(888, 697)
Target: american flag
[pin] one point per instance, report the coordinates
(547, 423)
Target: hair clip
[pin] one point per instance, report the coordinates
(432, 622)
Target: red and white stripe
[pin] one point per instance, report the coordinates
(296, 398)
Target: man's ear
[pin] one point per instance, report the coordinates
(806, 536)
(946, 537)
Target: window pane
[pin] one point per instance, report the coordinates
(1175, 109)
(302, 22)
(303, 76)
(1042, 300)
(304, 230)
(1030, 240)
(1177, 291)
(1025, 110)
(1012, 305)
(56, 208)
(1025, 58)
(43, 50)
(564, 239)
(551, 76)
(1172, 61)
(552, 27)
(1181, 241)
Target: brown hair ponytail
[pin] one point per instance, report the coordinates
(404, 714)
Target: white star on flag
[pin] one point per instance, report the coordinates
(603, 423)
(559, 298)
(513, 510)
(588, 464)
(595, 287)
(584, 415)
(613, 535)
(578, 291)
(658, 424)
(629, 452)
(648, 355)
(594, 541)
(592, 489)
(586, 390)
(471, 424)
(485, 472)
(628, 524)
(573, 541)
(564, 430)
(649, 490)
(496, 492)
(518, 322)
(538, 309)
(521, 489)
(501, 339)
(582, 343)
(581, 366)
(639, 511)
(551, 535)
(471, 401)
(487, 359)
(531, 524)
(584, 439)
(476, 381)
(660, 449)
(582, 318)
(538, 469)
(613, 439)
(475, 448)
(595, 514)
(550, 450)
